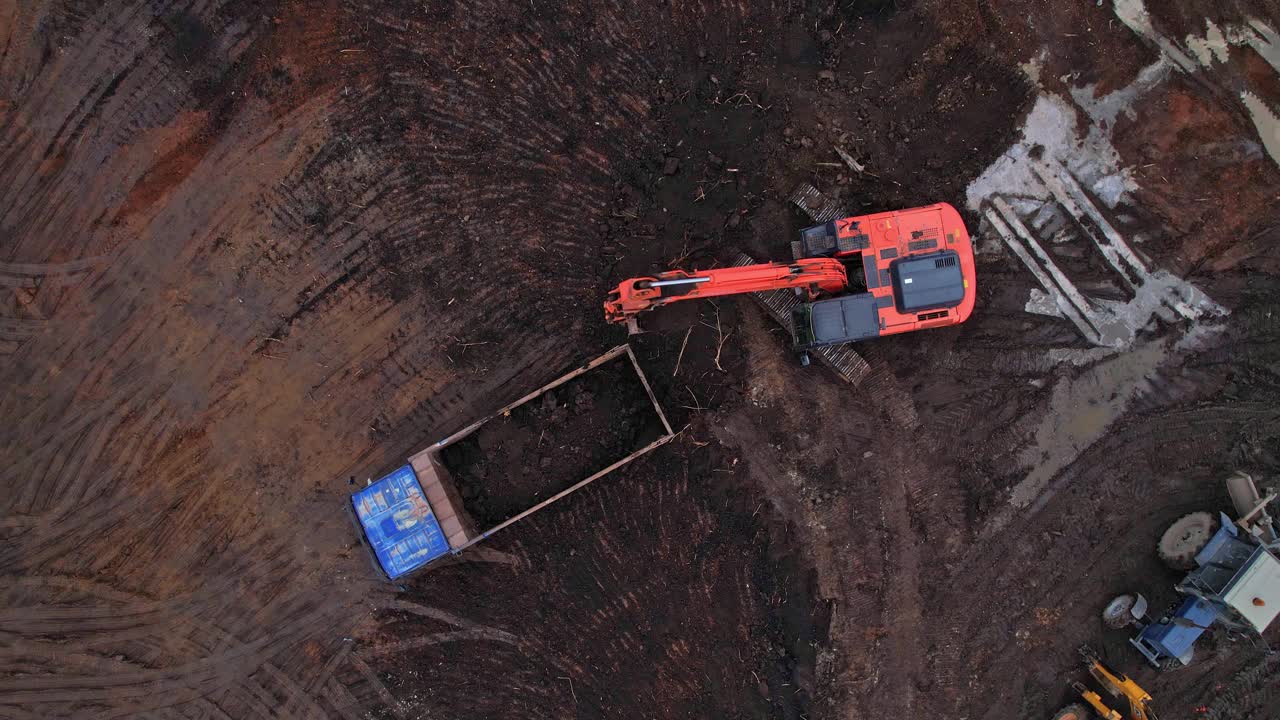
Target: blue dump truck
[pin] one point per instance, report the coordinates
(415, 515)
(1234, 579)
(398, 523)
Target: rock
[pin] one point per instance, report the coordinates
(671, 166)
(715, 160)
(824, 35)
(702, 53)
(734, 220)
(827, 75)
(788, 131)
(806, 142)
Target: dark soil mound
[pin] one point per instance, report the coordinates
(551, 442)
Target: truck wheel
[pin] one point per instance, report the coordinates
(1074, 711)
(1119, 612)
(1185, 537)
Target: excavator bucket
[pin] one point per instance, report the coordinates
(1117, 685)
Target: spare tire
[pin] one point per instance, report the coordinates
(1185, 537)
(1074, 711)
(1118, 613)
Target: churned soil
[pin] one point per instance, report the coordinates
(253, 252)
(547, 444)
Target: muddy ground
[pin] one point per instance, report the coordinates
(251, 253)
(546, 445)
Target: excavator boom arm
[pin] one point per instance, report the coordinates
(636, 295)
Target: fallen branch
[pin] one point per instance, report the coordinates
(571, 692)
(848, 159)
(681, 356)
(721, 338)
(696, 402)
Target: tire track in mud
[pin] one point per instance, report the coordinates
(38, 290)
(145, 427)
(1250, 693)
(863, 511)
(221, 656)
(902, 647)
(612, 614)
(424, 184)
(125, 61)
(91, 460)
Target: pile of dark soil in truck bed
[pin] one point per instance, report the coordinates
(551, 442)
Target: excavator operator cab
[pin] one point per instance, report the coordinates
(818, 241)
(838, 238)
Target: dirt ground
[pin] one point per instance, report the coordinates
(544, 446)
(252, 254)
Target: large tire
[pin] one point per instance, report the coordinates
(1118, 613)
(1185, 537)
(1074, 711)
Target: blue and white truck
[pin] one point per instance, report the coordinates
(414, 516)
(1234, 579)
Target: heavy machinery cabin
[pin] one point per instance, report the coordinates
(862, 277)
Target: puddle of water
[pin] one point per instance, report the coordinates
(1265, 120)
(1196, 53)
(1080, 412)
(1104, 110)
(1212, 45)
(1051, 126)
(1266, 42)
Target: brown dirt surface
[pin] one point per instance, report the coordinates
(254, 253)
(715, 611)
(544, 446)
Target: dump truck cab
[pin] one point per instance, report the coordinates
(915, 269)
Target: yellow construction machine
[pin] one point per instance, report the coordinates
(1118, 685)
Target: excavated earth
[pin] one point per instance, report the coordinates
(546, 445)
(252, 254)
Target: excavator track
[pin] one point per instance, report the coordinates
(779, 303)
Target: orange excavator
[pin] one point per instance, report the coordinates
(857, 278)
